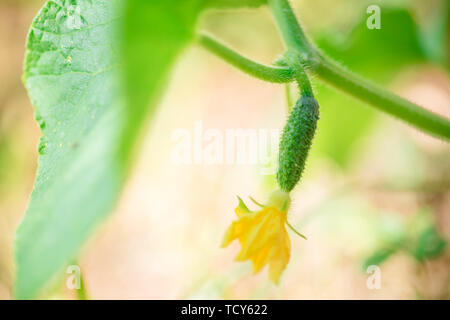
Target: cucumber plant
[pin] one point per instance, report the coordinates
(94, 71)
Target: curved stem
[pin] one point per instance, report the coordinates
(256, 202)
(352, 84)
(82, 293)
(263, 72)
(235, 3)
(289, 100)
(296, 232)
(294, 61)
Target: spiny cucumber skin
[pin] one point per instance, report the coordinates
(296, 141)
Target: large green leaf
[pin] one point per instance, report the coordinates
(91, 92)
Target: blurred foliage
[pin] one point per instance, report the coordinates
(425, 241)
(418, 237)
(434, 30)
(429, 245)
(380, 55)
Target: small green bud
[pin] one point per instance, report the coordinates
(296, 141)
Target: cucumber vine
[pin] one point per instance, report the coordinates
(94, 83)
(312, 60)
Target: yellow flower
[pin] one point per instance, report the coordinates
(262, 235)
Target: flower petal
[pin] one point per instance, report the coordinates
(263, 238)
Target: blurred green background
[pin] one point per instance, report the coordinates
(375, 192)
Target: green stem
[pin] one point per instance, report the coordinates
(295, 230)
(235, 3)
(81, 293)
(290, 29)
(289, 101)
(352, 84)
(294, 61)
(266, 73)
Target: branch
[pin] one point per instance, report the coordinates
(294, 61)
(352, 84)
(290, 29)
(260, 71)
